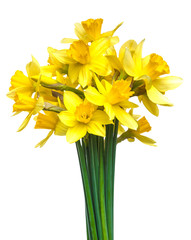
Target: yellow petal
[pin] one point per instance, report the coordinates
(101, 117)
(130, 44)
(39, 105)
(33, 68)
(67, 118)
(60, 129)
(76, 133)
(68, 40)
(110, 33)
(99, 85)
(85, 76)
(94, 96)
(114, 61)
(62, 57)
(144, 139)
(109, 110)
(100, 65)
(71, 101)
(164, 84)
(137, 56)
(99, 47)
(41, 143)
(128, 104)
(93, 27)
(107, 85)
(125, 118)
(81, 33)
(155, 96)
(128, 63)
(150, 106)
(73, 71)
(96, 128)
(25, 122)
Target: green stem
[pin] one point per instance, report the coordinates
(87, 191)
(113, 163)
(109, 181)
(94, 182)
(88, 225)
(102, 190)
(61, 87)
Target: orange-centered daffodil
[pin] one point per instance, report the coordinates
(114, 98)
(84, 59)
(82, 117)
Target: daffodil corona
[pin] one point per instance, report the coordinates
(88, 93)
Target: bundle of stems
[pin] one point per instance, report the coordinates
(97, 163)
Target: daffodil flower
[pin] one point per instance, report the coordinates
(114, 98)
(150, 70)
(82, 117)
(90, 30)
(50, 121)
(27, 104)
(83, 60)
(130, 135)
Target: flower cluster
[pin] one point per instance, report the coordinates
(88, 85)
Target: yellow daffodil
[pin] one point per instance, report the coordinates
(114, 98)
(82, 117)
(90, 30)
(20, 84)
(150, 70)
(49, 120)
(83, 60)
(54, 65)
(143, 126)
(27, 104)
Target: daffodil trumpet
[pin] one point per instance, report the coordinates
(88, 93)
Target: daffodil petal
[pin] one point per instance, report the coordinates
(39, 105)
(25, 122)
(42, 142)
(99, 47)
(128, 63)
(76, 133)
(150, 106)
(71, 101)
(62, 57)
(114, 61)
(125, 118)
(128, 104)
(96, 128)
(81, 33)
(68, 40)
(60, 129)
(99, 85)
(107, 85)
(73, 71)
(144, 139)
(164, 84)
(137, 56)
(109, 110)
(94, 96)
(67, 118)
(101, 117)
(130, 44)
(33, 68)
(85, 76)
(101, 66)
(157, 97)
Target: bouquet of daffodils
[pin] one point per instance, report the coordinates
(86, 93)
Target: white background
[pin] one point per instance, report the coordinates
(41, 193)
